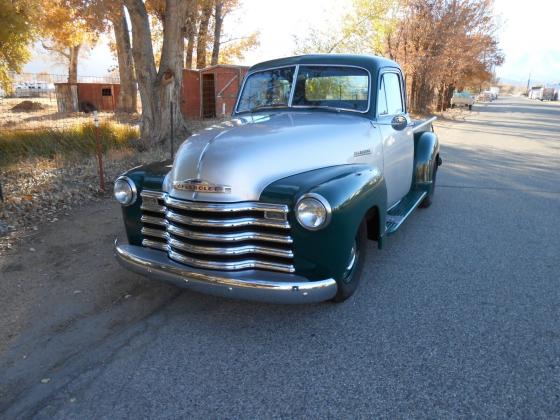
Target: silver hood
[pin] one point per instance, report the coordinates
(249, 153)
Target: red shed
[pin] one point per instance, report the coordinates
(73, 97)
(211, 92)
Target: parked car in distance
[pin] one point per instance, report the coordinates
(278, 203)
(485, 96)
(462, 99)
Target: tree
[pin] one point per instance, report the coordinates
(440, 44)
(160, 88)
(218, 21)
(202, 38)
(190, 33)
(65, 32)
(126, 101)
(16, 34)
(99, 16)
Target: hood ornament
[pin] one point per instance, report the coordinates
(199, 185)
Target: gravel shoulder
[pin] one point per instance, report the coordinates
(63, 292)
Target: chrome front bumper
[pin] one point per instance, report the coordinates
(255, 285)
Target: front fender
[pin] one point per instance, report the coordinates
(351, 190)
(426, 150)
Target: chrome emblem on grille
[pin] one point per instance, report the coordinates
(199, 185)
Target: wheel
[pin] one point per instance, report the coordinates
(349, 281)
(427, 201)
(470, 107)
(452, 105)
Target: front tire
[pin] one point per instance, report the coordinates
(348, 283)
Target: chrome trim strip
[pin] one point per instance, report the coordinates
(152, 208)
(153, 220)
(156, 233)
(231, 266)
(228, 237)
(236, 222)
(224, 207)
(152, 194)
(228, 251)
(155, 244)
(252, 285)
(293, 87)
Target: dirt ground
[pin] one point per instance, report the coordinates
(49, 117)
(52, 308)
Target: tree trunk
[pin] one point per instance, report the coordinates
(126, 101)
(190, 49)
(159, 89)
(73, 63)
(190, 34)
(203, 34)
(218, 20)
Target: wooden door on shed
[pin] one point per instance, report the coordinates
(107, 99)
(208, 96)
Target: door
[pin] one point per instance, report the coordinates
(398, 146)
(208, 96)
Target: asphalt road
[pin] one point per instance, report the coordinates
(458, 317)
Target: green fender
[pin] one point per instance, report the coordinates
(426, 152)
(353, 192)
(148, 177)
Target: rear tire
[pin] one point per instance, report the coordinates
(470, 107)
(348, 283)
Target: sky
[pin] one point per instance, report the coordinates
(528, 36)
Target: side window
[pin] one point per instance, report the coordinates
(392, 84)
(382, 99)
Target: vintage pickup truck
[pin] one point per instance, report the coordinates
(278, 203)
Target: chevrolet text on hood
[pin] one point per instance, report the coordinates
(277, 204)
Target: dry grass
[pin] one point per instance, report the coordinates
(18, 145)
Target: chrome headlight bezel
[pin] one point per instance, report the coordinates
(314, 199)
(128, 187)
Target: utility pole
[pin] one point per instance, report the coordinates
(528, 83)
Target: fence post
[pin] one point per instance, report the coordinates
(171, 118)
(99, 152)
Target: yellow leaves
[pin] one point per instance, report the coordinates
(62, 25)
(233, 52)
(16, 33)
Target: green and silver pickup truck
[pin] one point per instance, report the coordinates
(278, 203)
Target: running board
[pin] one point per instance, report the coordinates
(399, 213)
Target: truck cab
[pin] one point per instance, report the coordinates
(278, 202)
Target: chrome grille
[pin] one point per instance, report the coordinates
(219, 236)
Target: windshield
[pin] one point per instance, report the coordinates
(337, 87)
(267, 88)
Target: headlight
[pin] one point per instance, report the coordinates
(313, 211)
(124, 191)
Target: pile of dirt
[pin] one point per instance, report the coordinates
(27, 106)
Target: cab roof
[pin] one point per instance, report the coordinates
(370, 62)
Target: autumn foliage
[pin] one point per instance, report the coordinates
(442, 45)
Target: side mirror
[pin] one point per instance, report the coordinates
(399, 122)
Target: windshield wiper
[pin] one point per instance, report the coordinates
(323, 107)
(267, 106)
